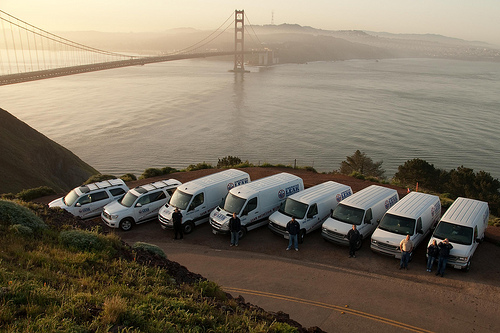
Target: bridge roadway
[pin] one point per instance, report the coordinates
(64, 71)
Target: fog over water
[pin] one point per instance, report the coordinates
(185, 112)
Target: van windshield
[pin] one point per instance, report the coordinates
(180, 199)
(70, 198)
(128, 199)
(398, 224)
(455, 233)
(348, 214)
(293, 208)
(233, 203)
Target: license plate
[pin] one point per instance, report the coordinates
(214, 232)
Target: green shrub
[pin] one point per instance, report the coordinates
(266, 165)
(199, 166)
(357, 174)
(128, 177)
(81, 240)
(373, 179)
(245, 164)
(153, 249)
(21, 230)
(34, 193)
(446, 201)
(494, 221)
(151, 172)
(228, 161)
(12, 213)
(310, 168)
(8, 196)
(210, 289)
(98, 178)
(167, 170)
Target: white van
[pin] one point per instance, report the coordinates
(87, 201)
(310, 208)
(364, 209)
(197, 198)
(463, 224)
(415, 215)
(139, 205)
(255, 202)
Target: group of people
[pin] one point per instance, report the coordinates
(439, 252)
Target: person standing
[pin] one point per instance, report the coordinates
(406, 246)
(444, 253)
(177, 219)
(353, 236)
(293, 229)
(432, 254)
(234, 228)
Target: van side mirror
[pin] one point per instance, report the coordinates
(138, 204)
(420, 231)
(78, 204)
(479, 240)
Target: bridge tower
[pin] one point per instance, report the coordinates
(239, 41)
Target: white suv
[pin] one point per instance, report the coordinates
(139, 205)
(87, 201)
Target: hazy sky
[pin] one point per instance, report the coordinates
(466, 19)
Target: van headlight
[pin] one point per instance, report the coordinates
(464, 259)
(113, 217)
(374, 241)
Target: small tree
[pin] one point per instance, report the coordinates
(420, 171)
(363, 164)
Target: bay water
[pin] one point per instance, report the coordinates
(178, 113)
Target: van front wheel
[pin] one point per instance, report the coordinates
(302, 235)
(242, 232)
(359, 243)
(467, 267)
(188, 227)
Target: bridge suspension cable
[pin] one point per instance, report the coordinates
(49, 50)
(209, 38)
(258, 42)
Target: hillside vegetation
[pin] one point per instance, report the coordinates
(29, 159)
(60, 274)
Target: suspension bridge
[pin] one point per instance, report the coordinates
(29, 53)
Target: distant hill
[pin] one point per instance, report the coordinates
(29, 159)
(296, 44)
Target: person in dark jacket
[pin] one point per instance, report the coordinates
(293, 229)
(234, 228)
(444, 254)
(432, 255)
(177, 219)
(353, 236)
